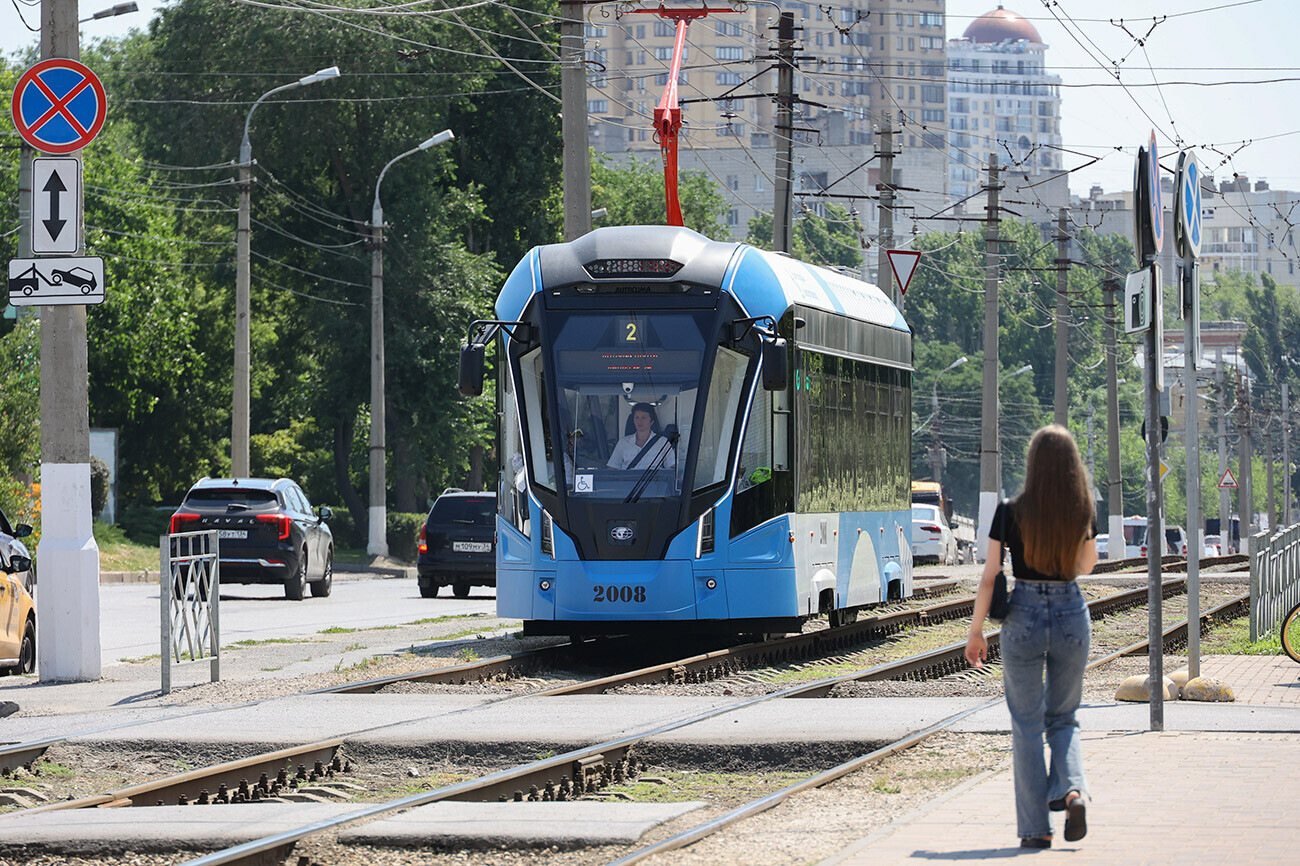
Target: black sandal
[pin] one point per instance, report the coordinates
(1076, 819)
(1036, 842)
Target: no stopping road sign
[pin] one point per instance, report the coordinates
(59, 106)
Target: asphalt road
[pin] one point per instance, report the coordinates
(130, 617)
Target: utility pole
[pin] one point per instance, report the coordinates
(885, 241)
(25, 202)
(1195, 525)
(240, 414)
(1286, 455)
(1061, 412)
(1268, 477)
(573, 121)
(1225, 498)
(68, 601)
(784, 205)
(1114, 478)
(990, 465)
(1246, 493)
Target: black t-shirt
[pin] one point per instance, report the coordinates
(1005, 530)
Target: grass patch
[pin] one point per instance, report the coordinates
(434, 620)
(1233, 638)
(53, 770)
(413, 786)
(355, 646)
(119, 553)
(141, 659)
(884, 786)
(268, 641)
(467, 655)
(337, 629)
(678, 787)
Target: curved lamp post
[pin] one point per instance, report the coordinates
(239, 417)
(938, 455)
(377, 543)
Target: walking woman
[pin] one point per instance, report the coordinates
(1049, 529)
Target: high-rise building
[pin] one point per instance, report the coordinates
(859, 62)
(1001, 98)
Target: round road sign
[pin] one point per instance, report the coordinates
(1154, 198)
(1187, 206)
(59, 106)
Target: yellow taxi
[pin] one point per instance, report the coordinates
(17, 608)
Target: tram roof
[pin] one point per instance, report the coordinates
(764, 283)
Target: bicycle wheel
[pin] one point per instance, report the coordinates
(1291, 633)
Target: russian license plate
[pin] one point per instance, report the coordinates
(232, 533)
(472, 546)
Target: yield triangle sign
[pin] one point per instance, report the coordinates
(903, 263)
(1227, 480)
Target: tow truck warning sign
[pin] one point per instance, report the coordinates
(54, 282)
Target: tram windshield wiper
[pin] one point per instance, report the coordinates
(643, 480)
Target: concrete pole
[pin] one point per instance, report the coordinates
(885, 242)
(67, 606)
(573, 122)
(990, 464)
(784, 204)
(1268, 479)
(1195, 525)
(377, 538)
(1155, 529)
(25, 201)
(1246, 493)
(1225, 497)
(1114, 477)
(1061, 401)
(1286, 455)
(239, 414)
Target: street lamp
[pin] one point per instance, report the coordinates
(939, 457)
(1028, 368)
(239, 423)
(377, 545)
(112, 12)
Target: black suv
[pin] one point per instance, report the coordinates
(456, 543)
(267, 532)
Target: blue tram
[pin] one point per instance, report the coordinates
(694, 433)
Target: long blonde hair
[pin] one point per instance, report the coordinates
(1054, 511)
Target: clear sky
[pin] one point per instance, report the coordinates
(1252, 40)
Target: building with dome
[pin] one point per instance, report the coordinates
(1001, 98)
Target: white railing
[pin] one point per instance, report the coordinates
(190, 600)
(1274, 578)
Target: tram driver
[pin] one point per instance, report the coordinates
(646, 446)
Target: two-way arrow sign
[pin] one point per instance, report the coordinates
(56, 198)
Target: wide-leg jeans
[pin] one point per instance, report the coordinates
(1044, 647)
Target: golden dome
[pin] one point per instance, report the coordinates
(1001, 25)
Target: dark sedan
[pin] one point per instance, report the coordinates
(267, 531)
(456, 544)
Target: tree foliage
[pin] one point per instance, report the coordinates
(632, 192)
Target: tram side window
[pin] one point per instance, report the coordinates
(720, 412)
(537, 418)
(852, 435)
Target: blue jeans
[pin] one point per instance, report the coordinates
(1048, 626)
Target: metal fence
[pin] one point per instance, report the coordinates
(190, 602)
(1274, 578)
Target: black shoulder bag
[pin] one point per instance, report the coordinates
(1000, 605)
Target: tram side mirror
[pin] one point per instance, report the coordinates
(471, 369)
(776, 364)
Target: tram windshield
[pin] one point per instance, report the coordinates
(627, 386)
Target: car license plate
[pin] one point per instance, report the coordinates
(472, 546)
(232, 533)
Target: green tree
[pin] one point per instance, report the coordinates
(832, 240)
(632, 192)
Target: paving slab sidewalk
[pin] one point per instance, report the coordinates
(1181, 797)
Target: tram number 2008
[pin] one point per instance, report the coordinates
(615, 594)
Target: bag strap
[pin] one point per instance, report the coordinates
(644, 448)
